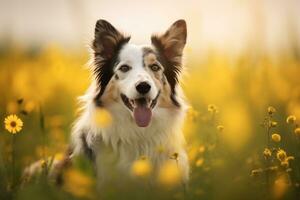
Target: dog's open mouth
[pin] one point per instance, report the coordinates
(141, 108)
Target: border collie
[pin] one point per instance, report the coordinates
(138, 86)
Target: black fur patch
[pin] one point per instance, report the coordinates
(104, 72)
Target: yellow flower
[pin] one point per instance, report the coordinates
(267, 153)
(290, 158)
(13, 124)
(59, 157)
(220, 128)
(102, 117)
(29, 106)
(276, 137)
(169, 174)
(297, 132)
(271, 110)
(174, 156)
(256, 172)
(273, 124)
(201, 149)
(212, 108)
(280, 186)
(141, 168)
(199, 162)
(43, 163)
(78, 183)
(192, 154)
(192, 114)
(291, 119)
(285, 164)
(283, 158)
(281, 155)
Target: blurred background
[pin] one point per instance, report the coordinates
(231, 25)
(242, 81)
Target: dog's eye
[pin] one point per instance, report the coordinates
(155, 67)
(124, 68)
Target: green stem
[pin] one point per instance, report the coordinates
(13, 182)
(268, 129)
(182, 181)
(3, 168)
(43, 130)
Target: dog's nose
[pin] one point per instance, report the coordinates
(143, 87)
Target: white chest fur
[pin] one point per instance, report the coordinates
(117, 146)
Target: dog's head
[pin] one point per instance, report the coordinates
(139, 77)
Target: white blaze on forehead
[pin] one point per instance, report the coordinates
(132, 55)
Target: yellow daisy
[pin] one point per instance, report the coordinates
(212, 108)
(267, 153)
(297, 131)
(271, 110)
(220, 128)
(291, 119)
(273, 124)
(13, 124)
(102, 118)
(281, 155)
(276, 137)
(141, 168)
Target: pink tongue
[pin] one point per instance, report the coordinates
(142, 115)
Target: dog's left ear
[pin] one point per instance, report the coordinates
(172, 42)
(170, 47)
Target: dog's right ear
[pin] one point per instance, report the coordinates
(108, 40)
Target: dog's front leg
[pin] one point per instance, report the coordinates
(53, 167)
(88, 143)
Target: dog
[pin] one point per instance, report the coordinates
(138, 85)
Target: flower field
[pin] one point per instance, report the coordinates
(242, 130)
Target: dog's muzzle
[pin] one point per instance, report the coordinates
(141, 108)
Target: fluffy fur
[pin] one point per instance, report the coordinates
(114, 148)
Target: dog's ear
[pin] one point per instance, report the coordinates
(107, 43)
(108, 40)
(172, 42)
(170, 47)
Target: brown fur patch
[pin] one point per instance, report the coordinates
(167, 96)
(111, 93)
(170, 48)
(150, 59)
(164, 99)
